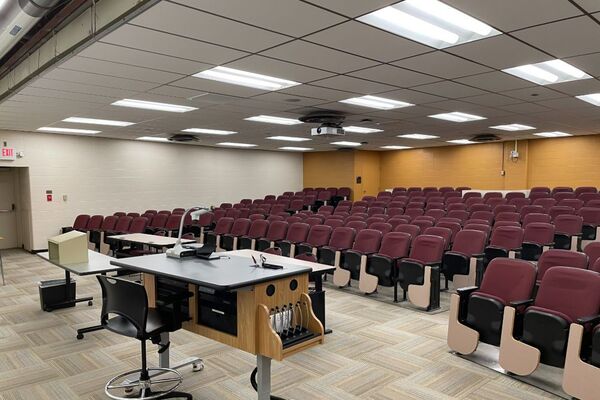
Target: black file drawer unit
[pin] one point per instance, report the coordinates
(218, 311)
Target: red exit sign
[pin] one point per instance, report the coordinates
(8, 153)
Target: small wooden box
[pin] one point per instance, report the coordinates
(68, 248)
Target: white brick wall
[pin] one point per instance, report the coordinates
(101, 176)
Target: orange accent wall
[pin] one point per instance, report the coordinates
(573, 161)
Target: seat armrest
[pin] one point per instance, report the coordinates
(466, 291)
(477, 255)
(520, 303)
(592, 319)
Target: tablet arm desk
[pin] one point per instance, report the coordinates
(263, 312)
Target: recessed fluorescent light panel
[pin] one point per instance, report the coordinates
(208, 131)
(289, 138)
(152, 105)
(274, 120)
(291, 148)
(593, 98)
(231, 144)
(512, 127)
(418, 136)
(430, 22)
(396, 147)
(461, 141)
(94, 121)
(153, 139)
(361, 129)
(243, 78)
(67, 130)
(379, 103)
(552, 134)
(346, 144)
(457, 117)
(548, 72)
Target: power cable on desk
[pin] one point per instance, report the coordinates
(255, 386)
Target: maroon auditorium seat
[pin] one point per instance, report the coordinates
(537, 237)
(239, 228)
(296, 234)
(258, 229)
(382, 267)
(277, 231)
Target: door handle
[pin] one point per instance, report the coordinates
(5, 211)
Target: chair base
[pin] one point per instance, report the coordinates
(144, 386)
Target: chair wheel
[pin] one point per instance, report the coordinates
(90, 303)
(79, 336)
(197, 367)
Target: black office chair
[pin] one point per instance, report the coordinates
(125, 311)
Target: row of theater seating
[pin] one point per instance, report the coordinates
(548, 315)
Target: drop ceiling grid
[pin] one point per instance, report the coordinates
(161, 77)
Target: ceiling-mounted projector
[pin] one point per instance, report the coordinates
(324, 130)
(330, 122)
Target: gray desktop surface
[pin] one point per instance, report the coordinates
(226, 273)
(97, 264)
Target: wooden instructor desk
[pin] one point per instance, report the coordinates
(231, 301)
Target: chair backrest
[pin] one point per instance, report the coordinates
(219, 213)
(546, 203)
(380, 203)
(494, 202)
(367, 241)
(435, 213)
(509, 279)
(122, 214)
(532, 209)
(445, 189)
(342, 209)
(504, 208)
(344, 192)
(422, 224)
(109, 223)
(223, 226)
(395, 245)
(491, 195)
(559, 189)
(573, 292)
(479, 227)
(375, 210)
(484, 215)
(507, 223)
(459, 214)
(123, 224)
(458, 206)
(277, 230)
(325, 210)
(585, 189)
(272, 218)
(297, 232)
(533, 196)
(507, 237)
(296, 205)
(479, 207)
(412, 230)
(470, 242)
(575, 203)
(564, 196)
(442, 232)
(319, 235)
(520, 203)
(427, 249)
(592, 250)
(138, 225)
(568, 224)
(587, 197)
(560, 210)
(540, 189)
(126, 299)
(273, 250)
(560, 258)
(293, 219)
(453, 226)
(382, 227)
(81, 222)
(356, 225)
(393, 211)
(541, 233)
(514, 195)
(342, 238)
(463, 188)
(508, 216)
(240, 227)
(358, 209)
(333, 222)
(95, 222)
(370, 220)
(258, 229)
(590, 215)
(535, 217)
(472, 195)
(173, 222)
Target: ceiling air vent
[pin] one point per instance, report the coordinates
(183, 138)
(486, 137)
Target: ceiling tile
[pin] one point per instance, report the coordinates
(206, 85)
(175, 91)
(394, 76)
(411, 96)
(449, 89)
(499, 52)
(290, 17)
(589, 63)
(109, 68)
(495, 81)
(58, 94)
(442, 64)
(123, 55)
(354, 85)
(352, 8)
(589, 5)
(541, 93)
(187, 22)
(576, 88)
(302, 52)
(491, 100)
(99, 80)
(317, 92)
(163, 43)
(358, 38)
(524, 108)
(566, 103)
(567, 38)
(80, 88)
(508, 15)
(279, 69)
(298, 101)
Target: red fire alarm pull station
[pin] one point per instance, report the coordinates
(48, 197)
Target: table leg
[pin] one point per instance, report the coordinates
(263, 377)
(2, 269)
(164, 361)
(320, 302)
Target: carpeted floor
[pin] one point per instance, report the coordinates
(377, 351)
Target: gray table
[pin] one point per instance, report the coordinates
(145, 239)
(97, 264)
